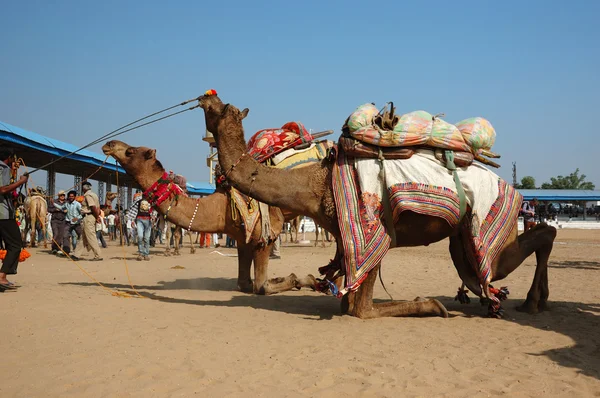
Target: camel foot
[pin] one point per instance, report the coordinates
(192, 251)
(308, 281)
(462, 296)
(176, 253)
(246, 286)
(533, 307)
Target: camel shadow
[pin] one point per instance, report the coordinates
(578, 321)
(208, 284)
(321, 306)
(591, 265)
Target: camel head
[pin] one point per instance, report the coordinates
(139, 162)
(110, 196)
(217, 115)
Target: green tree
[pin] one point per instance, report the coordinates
(572, 181)
(527, 182)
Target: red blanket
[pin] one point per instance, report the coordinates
(269, 142)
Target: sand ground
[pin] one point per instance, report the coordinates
(194, 334)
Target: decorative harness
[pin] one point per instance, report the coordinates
(163, 189)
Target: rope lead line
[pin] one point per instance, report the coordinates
(117, 132)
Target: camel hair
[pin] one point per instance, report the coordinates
(213, 214)
(308, 191)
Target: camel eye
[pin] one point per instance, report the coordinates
(129, 151)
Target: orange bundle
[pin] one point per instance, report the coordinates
(22, 257)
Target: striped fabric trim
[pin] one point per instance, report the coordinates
(364, 238)
(486, 241)
(425, 199)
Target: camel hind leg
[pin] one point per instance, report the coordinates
(360, 303)
(540, 240)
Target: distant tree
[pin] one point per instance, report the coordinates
(527, 182)
(572, 181)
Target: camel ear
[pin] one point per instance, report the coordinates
(150, 154)
(245, 113)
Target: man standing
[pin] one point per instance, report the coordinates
(9, 230)
(140, 212)
(90, 208)
(73, 227)
(529, 214)
(58, 209)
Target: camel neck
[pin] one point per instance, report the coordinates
(293, 190)
(209, 215)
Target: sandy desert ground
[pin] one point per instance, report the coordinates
(194, 335)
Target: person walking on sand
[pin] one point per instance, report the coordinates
(9, 229)
(528, 211)
(58, 209)
(140, 212)
(90, 208)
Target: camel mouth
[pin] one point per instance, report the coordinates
(107, 149)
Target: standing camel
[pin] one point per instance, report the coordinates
(36, 210)
(320, 232)
(308, 191)
(291, 227)
(175, 231)
(212, 213)
(109, 197)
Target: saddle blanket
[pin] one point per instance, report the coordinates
(253, 212)
(295, 159)
(422, 185)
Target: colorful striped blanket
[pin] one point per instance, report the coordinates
(423, 185)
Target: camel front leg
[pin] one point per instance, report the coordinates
(176, 237)
(360, 304)
(244, 282)
(265, 286)
(192, 248)
(168, 240)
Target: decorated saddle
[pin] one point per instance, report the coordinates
(269, 142)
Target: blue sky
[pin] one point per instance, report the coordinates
(75, 70)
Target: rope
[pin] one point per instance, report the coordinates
(116, 132)
(111, 291)
(74, 186)
(123, 246)
(383, 284)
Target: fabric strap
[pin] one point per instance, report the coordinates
(459, 188)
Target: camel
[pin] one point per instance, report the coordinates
(176, 231)
(36, 210)
(110, 196)
(212, 213)
(320, 232)
(308, 191)
(291, 227)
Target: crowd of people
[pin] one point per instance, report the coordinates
(79, 224)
